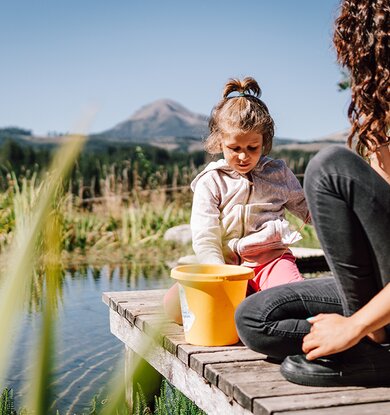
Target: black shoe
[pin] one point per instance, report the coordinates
(366, 364)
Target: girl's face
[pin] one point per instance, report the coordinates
(242, 150)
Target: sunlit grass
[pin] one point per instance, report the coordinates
(33, 261)
(110, 231)
(36, 243)
(22, 256)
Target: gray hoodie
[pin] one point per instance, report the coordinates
(238, 221)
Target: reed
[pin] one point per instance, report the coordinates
(22, 255)
(33, 259)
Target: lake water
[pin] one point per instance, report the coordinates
(86, 352)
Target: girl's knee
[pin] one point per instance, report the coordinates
(284, 272)
(171, 303)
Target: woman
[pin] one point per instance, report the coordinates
(341, 323)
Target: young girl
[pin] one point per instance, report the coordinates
(239, 201)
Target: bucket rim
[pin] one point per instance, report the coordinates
(220, 272)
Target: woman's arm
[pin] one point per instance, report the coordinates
(332, 333)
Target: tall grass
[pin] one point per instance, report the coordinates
(110, 230)
(37, 241)
(17, 276)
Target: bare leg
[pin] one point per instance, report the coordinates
(172, 304)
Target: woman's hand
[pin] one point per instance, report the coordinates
(330, 333)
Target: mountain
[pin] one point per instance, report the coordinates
(167, 124)
(160, 119)
(312, 145)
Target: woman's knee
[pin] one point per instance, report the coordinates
(325, 161)
(332, 160)
(274, 322)
(252, 331)
(254, 321)
(255, 332)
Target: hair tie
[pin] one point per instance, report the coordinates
(243, 94)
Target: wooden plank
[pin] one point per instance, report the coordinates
(237, 380)
(377, 408)
(185, 351)
(106, 298)
(135, 295)
(172, 341)
(157, 326)
(208, 397)
(151, 320)
(306, 401)
(132, 311)
(112, 299)
(245, 392)
(198, 361)
(226, 375)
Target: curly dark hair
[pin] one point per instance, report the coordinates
(242, 112)
(361, 39)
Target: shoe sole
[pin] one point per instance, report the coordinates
(370, 379)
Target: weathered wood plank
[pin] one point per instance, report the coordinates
(226, 375)
(246, 392)
(230, 379)
(185, 351)
(311, 401)
(157, 326)
(172, 341)
(150, 320)
(135, 295)
(378, 408)
(199, 361)
(208, 397)
(106, 298)
(151, 297)
(132, 311)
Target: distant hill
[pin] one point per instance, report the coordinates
(312, 145)
(165, 124)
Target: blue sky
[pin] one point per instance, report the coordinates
(61, 57)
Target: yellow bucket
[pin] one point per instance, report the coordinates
(209, 296)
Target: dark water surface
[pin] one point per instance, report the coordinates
(86, 353)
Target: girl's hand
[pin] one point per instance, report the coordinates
(330, 333)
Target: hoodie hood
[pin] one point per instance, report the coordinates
(222, 165)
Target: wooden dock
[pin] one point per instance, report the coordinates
(230, 380)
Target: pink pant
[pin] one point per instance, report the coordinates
(279, 271)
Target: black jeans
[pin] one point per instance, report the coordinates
(350, 207)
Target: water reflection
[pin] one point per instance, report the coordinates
(86, 351)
